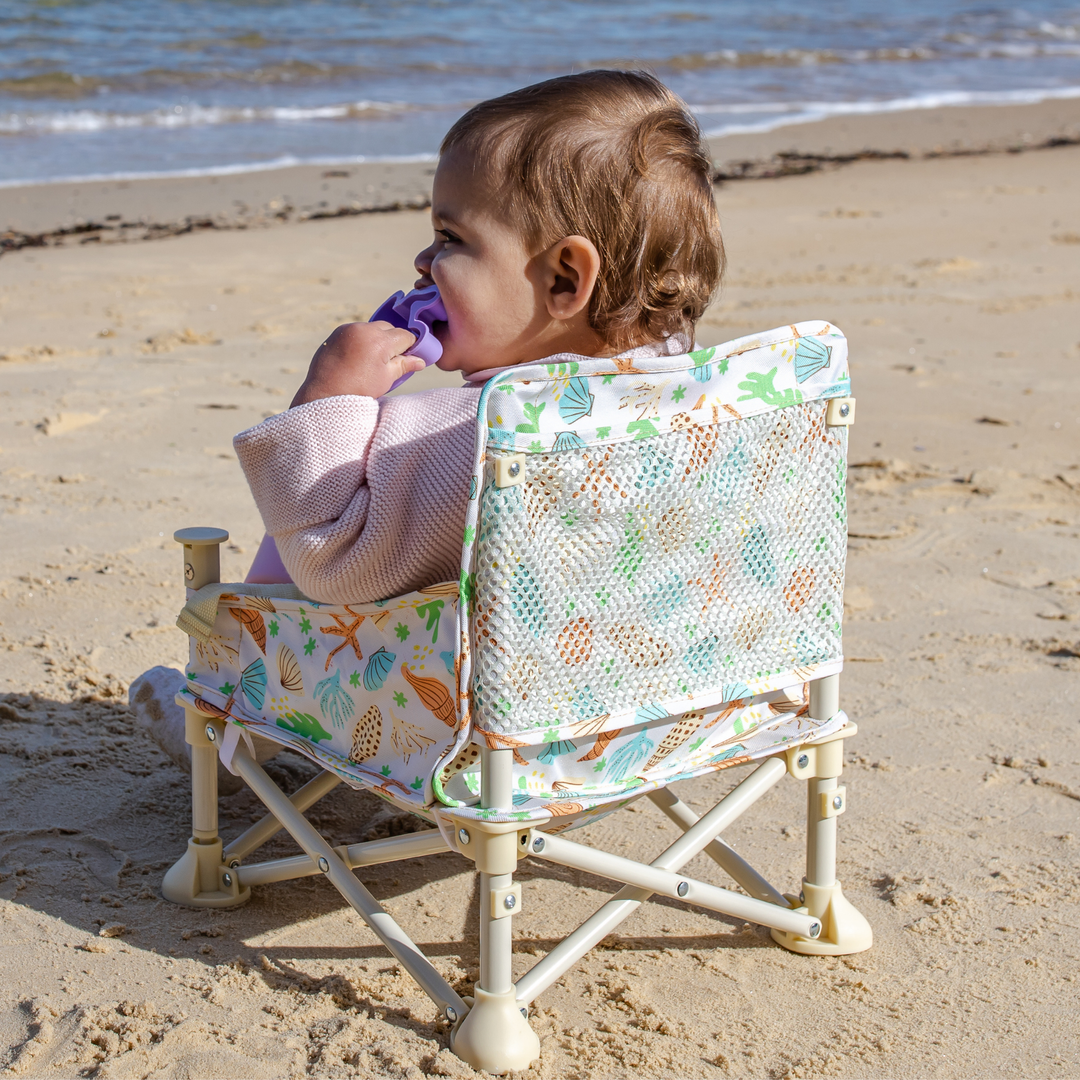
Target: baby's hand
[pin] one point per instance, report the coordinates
(360, 358)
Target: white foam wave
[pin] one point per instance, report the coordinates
(181, 116)
(778, 113)
(785, 113)
(286, 161)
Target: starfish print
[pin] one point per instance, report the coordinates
(346, 632)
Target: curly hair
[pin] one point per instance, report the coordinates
(616, 157)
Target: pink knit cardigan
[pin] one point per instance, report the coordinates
(365, 498)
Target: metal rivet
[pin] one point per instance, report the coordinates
(845, 409)
(211, 734)
(515, 468)
(802, 897)
(227, 879)
(837, 802)
(234, 863)
(524, 1012)
(803, 760)
(463, 836)
(324, 866)
(510, 902)
(539, 844)
(815, 929)
(451, 1014)
(189, 572)
(683, 888)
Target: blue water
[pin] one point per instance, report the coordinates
(119, 87)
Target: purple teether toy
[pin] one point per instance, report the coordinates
(415, 312)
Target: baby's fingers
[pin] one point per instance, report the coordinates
(397, 340)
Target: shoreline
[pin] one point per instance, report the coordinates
(126, 210)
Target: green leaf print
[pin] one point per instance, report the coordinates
(467, 590)
(533, 413)
(758, 385)
(402, 631)
(432, 611)
(562, 369)
(641, 429)
(304, 725)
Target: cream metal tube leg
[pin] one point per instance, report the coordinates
(495, 1035)
(820, 833)
(623, 904)
(342, 878)
(200, 878)
(729, 860)
(844, 930)
(269, 826)
(204, 788)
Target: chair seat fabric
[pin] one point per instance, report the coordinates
(645, 604)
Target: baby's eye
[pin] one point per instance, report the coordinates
(446, 236)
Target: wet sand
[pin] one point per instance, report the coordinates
(126, 369)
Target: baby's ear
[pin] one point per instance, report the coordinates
(572, 266)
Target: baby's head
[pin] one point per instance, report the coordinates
(575, 215)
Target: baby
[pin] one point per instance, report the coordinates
(572, 219)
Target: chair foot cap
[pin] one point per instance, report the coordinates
(494, 1036)
(201, 865)
(844, 930)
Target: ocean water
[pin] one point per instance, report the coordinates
(134, 87)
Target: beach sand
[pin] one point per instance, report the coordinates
(126, 368)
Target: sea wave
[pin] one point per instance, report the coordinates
(285, 161)
(182, 116)
(774, 114)
(781, 114)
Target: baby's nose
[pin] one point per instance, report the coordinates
(422, 262)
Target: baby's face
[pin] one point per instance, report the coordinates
(494, 302)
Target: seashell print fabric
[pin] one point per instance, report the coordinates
(367, 691)
(645, 607)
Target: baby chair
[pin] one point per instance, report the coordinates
(651, 589)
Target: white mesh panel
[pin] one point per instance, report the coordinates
(620, 576)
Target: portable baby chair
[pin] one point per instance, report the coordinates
(651, 589)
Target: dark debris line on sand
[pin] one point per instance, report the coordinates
(794, 163)
(119, 231)
(786, 163)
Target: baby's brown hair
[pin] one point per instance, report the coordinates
(616, 157)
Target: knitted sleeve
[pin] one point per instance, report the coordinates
(365, 498)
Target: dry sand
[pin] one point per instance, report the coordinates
(125, 371)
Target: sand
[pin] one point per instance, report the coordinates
(127, 368)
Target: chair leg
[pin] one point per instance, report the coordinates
(844, 930)
(495, 1034)
(200, 878)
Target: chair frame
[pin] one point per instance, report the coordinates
(490, 1031)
